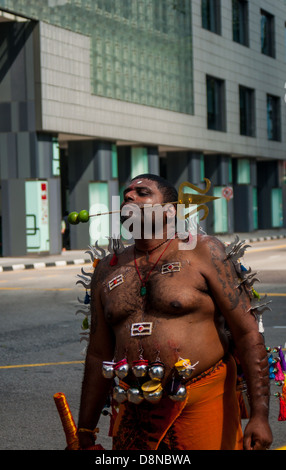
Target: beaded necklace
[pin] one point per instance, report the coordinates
(143, 288)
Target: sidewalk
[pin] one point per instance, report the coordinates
(36, 261)
(74, 257)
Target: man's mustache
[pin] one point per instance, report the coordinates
(128, 210)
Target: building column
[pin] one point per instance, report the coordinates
(13, 217)
(245, 194)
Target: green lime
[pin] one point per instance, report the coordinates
(73, 218)
(83, 216)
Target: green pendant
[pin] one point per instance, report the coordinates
(143, 290)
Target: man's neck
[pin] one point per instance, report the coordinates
(148, 244)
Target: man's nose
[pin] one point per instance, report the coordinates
(130, 196)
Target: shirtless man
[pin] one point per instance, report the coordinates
(187, 309)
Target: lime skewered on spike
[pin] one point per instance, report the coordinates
(83, 216)
(73, 218)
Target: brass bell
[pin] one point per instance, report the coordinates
(180, 394)
(119, 394)
(134, 395)
(156, 370)
(108, 369)
(140, 368)
(152, 390)
(121, 369)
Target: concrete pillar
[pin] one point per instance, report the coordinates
(243, 199)
(13, 217)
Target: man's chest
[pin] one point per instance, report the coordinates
(173, 287)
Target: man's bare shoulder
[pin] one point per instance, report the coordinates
(101, 270)
(104, 266)
(210, 246)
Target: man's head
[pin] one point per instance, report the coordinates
(168, 191)
(153, 194)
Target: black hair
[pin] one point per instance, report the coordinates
(169, 192)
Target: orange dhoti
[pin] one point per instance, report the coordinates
(208, 419)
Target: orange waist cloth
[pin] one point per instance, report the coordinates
(208, 419)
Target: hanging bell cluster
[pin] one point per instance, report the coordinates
(149, 390)
(277, 372)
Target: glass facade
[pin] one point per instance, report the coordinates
(220, 211)
(277, 207)
(141, 50)
(99, 203)
(243, 171)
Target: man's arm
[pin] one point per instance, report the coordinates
(95, 387)
(234, 303)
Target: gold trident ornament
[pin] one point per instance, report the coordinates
(188, 199)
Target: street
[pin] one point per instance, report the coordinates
(41, 352)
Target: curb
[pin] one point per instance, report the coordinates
(40, 265)
(260, 239)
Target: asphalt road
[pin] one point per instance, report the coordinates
(41, 352)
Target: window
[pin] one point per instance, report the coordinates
(273, 118)
(247, 111)
(99, 228)
(220, 211)
(216, 104)
(277, 207)
(211, 15)
(243, 171)
(267, 34)
(240, 21)
(139, 161)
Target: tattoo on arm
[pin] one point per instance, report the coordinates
(226, 276)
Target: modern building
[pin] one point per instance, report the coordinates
(93, 92)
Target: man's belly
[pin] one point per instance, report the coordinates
(170, 341)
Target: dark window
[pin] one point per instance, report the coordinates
(273, 118)
(211, 15)
(240, 21)
(247, 111)
(267, 34)
(216, 104)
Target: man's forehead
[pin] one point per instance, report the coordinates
(140, 182)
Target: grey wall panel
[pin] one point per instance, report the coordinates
(243, 208)
(13, 217)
